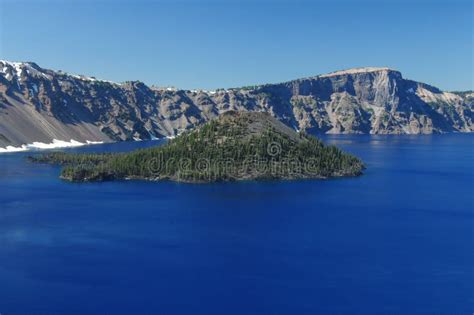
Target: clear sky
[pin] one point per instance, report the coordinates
(220, 44)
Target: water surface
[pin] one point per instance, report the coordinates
(398, 240)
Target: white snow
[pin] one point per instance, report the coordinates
(206, 91)
(19, 67)
(18, 70)
(178, 132)
(11, 149)
(354, 71)
(152, 136)
(90, 79)
(56, 144)
(83, 77)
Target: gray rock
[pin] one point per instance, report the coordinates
(38, 104)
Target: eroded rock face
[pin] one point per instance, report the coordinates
(37, 104)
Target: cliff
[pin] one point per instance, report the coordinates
(38, 104)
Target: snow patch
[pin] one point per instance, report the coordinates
(11, 149)
(18, 70)
(91, 79)
(94, 142)
(19, 67)
(56, 144)
(152, 136)
(83, 77)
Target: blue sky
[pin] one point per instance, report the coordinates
(214, 44)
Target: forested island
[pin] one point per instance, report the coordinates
(234, 146)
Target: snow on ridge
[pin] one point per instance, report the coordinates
(355, 71)
(11, 63)
(90, 79)
(81, 77)
(56, 144)
(19, 67)
(209, 92)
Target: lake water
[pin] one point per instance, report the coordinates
(398, 240)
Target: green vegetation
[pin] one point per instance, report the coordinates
(250, 87)
(236, 146)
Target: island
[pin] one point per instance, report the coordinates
(233, 146)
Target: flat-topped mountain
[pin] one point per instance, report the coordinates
(234, 146)
(38, 104)
(355, 71)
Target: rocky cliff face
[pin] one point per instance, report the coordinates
(37, 104)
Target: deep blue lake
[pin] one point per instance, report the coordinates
(398, 240)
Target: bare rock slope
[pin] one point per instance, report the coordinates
(38, 104)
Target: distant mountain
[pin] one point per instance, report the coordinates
(38, 104)
(234, 146)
